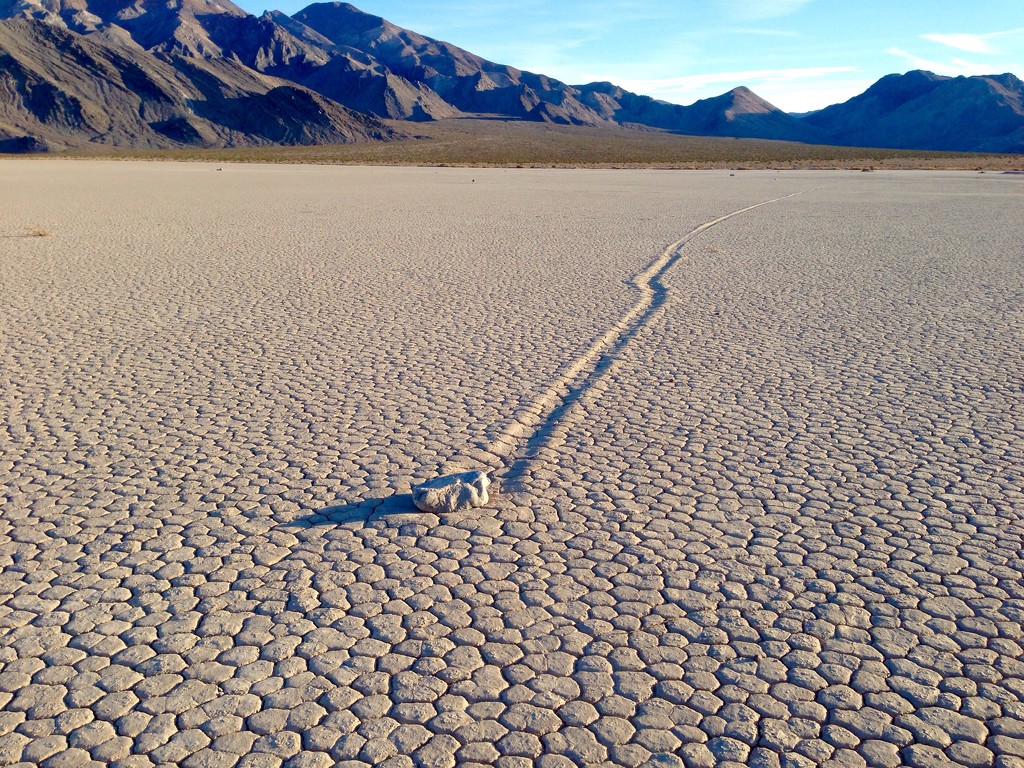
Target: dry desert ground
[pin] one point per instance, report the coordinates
(760, 483)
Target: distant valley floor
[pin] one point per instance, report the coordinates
(485, 142)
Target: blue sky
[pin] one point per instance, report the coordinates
(798, 54)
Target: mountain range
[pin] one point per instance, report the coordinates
(168, 73)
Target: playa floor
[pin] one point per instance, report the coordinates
(759, 485)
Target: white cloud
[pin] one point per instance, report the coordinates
(963, 42)
(808, 95)
(554, 59)
(732, 79)
(761, 32)
(794, 90)
(953, 68)
(752, 10)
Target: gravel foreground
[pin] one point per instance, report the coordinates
(777, 522)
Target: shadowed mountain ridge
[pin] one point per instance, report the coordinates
(922, 110)
(63, 89)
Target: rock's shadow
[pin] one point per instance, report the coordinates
(397, 509)
(393, 511)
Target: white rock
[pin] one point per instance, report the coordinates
(452, 493)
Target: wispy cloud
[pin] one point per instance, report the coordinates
(971, 43)
(796, 90)
(760, 32)
(745, 77)
(545, 17)
(807, 95)
(754, 10)
(963, 42)
(553, 58)
(953, 68)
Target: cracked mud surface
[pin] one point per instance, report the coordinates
(782, 527)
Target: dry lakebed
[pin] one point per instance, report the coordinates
(756, 442)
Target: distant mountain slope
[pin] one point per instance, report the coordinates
(740, 112)
(922, 110)
(361, 83)
(66, 89)
(743, 113)
(463, 79)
